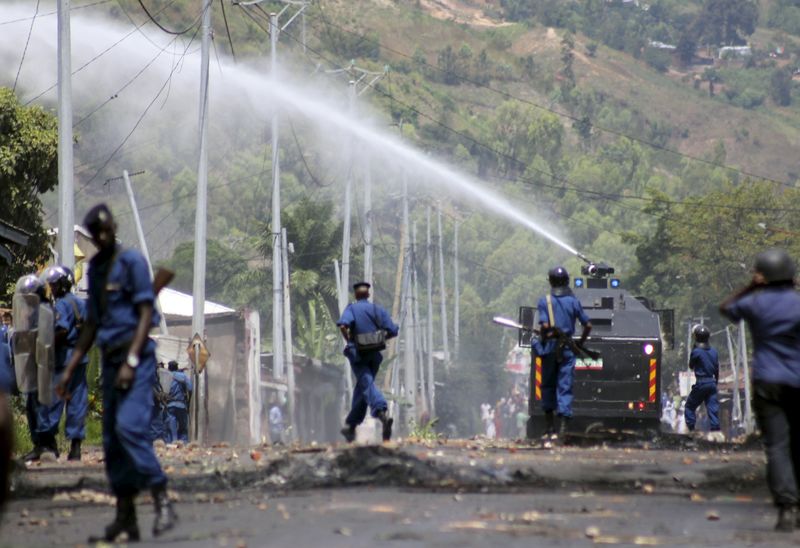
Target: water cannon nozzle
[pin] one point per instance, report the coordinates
(597, 270)
(583, 257)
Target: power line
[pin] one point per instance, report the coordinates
(27, 42)
(72, 8)
(165, 29)
(565, 183)
(551, 110)
(227, 29)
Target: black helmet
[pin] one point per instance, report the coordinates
(558, 276)
(701, 334)
(775, 265)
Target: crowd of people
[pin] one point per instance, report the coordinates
(508, 417)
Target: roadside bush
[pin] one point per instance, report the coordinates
(657, 58)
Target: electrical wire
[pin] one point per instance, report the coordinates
(303, 158)
(551, 110)
(25, 49)
(169, 31)
(227, 29)
(72, 8)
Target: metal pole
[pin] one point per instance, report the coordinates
(277, 286)
(199, 281)
(456, 296)
(348, 378)
(419, 372)
(367, 221)
(736, 414)
(748, 409)
(688, 344)
(348, 191)
(408, 332)
(143, 243)
(429, 325)
(442, 290)
(287, 325)
(66, 196)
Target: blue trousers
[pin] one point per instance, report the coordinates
(365, 393)
(703, 392)
(77, 407)
(178, 422)
(557, 384)
(131, 462)
(159, 426)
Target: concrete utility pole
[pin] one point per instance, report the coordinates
(429, 323)
(142, 242)
(199, 280)
(418, 340)
(748, 409)
(408, 320)
(344, 286)
(442, 291)
(456, 297)
(736, 414)
(367, 221)
(66, 193)
(287, 324)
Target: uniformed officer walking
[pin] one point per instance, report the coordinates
(121, 314)
(178, 403)
(365, 327)
(771, 307)
(70, 312)
(558, 312)
(704, 361)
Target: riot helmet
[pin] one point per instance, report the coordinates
(558, 277)
(775, 265)
(57, 278)
(70, 276)
(30, 285)
(701, 334)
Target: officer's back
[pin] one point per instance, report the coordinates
(705, 363)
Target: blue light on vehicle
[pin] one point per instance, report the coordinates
(578, 282)
(615, 283)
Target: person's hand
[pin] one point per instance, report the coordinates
(125, 377)
(62, 390)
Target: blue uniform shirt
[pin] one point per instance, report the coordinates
(4, 337)
(567, 309)
(363, 316)
(705, 364)
(176, 395)
(65, 309)
(127, 285)
(773, 314)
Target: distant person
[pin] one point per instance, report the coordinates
(704, 361)
(276, 426)
(70, 312)
(180, 393)
(5, 327)
(159, 423)
(771, 307)
(558, 312)
(365, 327)
(6, 421)
(121, 315)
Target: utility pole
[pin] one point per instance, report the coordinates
(66, 193)
(287, 324)
(344, 286)
(419, 372)
(748, 410)
(442, 291)
(277, 255)
(736, 415)
(456, 297)
(142, 243)
(199, 281)
(367, 221)
(408, 320)
(429, 324)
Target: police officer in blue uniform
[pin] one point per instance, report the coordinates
(771, 307)
(6, 421)
(70, 312)
(704, 361)
(121, 314)
(159, 424)
(365, 318)
(178, 403)
(556, 350)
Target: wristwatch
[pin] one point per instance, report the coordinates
(133, 361)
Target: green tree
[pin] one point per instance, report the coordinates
(28, 168)
(223, 265)
(567, 58)
(727, 22)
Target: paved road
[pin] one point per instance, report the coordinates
(459, 493)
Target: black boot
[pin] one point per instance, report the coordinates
(74, 450)
(124, 522)
(563, 427)
(34, 454)
(549, 424)
(349, 433)
(787, 518)
(166, 518)
(387, 423)
(49, 444)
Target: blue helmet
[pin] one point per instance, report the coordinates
(29, 285)
(558, 276)
(57, 278)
